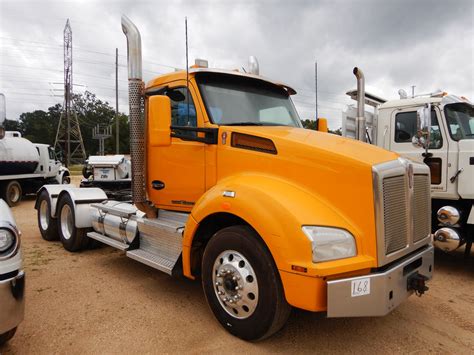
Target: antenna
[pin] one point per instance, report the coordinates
(187, 66)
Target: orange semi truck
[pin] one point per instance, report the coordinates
(230, 189)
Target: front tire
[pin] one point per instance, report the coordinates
(48, 225)
(12, 193)
(242, 284)
(7, 336)
(73, 239)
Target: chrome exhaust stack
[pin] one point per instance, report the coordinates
(137, 122)
(360, 119)
(253, 65)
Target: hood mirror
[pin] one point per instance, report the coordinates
(423, 127)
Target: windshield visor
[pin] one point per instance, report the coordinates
(460, 120)
(233, 100)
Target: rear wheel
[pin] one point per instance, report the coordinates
(7, 336)
(48, 225)
(242, 284)
(12, 193)
(73, 239)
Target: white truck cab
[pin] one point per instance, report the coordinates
(395, 125)
(12, 277)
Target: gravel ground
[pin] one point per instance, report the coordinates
(99, 301)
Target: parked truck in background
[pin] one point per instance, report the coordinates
(111, 173)
(446, 146)
(26, 166)
(12, 277)
(229, 188)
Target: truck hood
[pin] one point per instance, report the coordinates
(466, 163)
(305, 142)
(335, 171)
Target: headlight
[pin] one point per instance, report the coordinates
(330, 243)
(7, 239)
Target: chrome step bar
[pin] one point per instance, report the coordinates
(107, 240)
(153, 260)
(160, 240)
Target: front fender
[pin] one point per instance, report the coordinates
(276, 209)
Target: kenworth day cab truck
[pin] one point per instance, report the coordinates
(446, 146)
(12, 277)
(268, 215)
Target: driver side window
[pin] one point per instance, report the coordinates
(179, 108)
(405, 129)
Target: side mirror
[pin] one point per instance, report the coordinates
(322, 125)
(159, 121)
(423, 127)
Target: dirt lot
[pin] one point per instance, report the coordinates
(99, 301)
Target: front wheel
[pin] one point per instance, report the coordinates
(242, 284)
(73, 238)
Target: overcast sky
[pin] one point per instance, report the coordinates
(397, 44)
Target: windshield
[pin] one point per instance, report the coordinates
(242, 101)
(460, 118)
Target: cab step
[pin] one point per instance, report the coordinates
(161, 241)
(107, 240)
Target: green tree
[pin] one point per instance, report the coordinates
(311, 124)
(92, 111)
(11, 125)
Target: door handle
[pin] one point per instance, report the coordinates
(157, 185)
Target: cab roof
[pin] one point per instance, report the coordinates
(417, 101)
(181, 75)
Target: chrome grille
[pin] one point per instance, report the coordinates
(395, 213)
(421, 207)
(402, 208)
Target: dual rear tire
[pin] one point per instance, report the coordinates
(63, 227)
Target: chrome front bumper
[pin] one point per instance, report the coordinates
(12, 302)
(379, 293)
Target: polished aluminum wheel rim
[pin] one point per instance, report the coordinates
(44, 216)
(66, 222)
(235, 284)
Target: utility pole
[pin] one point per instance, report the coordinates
(68, 136)
(316, 87)
(116, 103)
(413, 91)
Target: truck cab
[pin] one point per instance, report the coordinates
(395, 125)
(450, 156)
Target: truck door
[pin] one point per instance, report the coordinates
(403, 128)
(176, 173)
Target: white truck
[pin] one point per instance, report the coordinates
(437, 129)
(26, 166)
